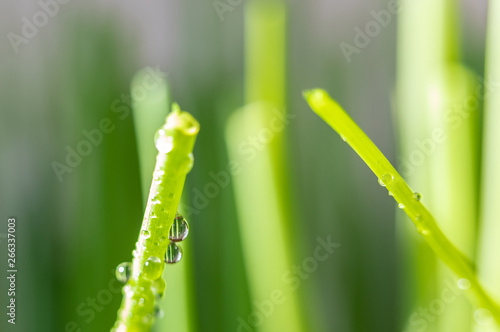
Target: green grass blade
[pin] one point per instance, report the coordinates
(336, 117)
(150, 100)
(267, 246)
(175, 144)
(489, 245)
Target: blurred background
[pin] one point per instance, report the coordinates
(289, 230)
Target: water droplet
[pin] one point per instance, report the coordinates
(145, 234)
(141, 302)
(463, 284)
(401, 206)
(158, 312)
(173, 254)
(162, 239)
(190, 163)
(390, 193)
(179, 229)
(386, 179)
(343, 138)
(163, 143)
(483, 317)
(417, 196)
(152, 268)
(123, 272)
(158, 287)
(422, 230)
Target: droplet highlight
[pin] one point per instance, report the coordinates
(152, 268)
(158, 312)
(123, 272)
(386, 179)
(173, 254)
(417, 196)
(164, 143)
(145, 234)
(401, 206)
(179, 229)
(158, 287)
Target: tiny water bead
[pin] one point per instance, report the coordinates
(158, 287)
(417, 196)
(152, 268)
(190, 163)
(463, 284)
(164, 143)
(173, 254)
(422, 230)
(158, 312)
(179, 229)
(145, 234)
(386, 179)
(123, 272)
(483, 317)
(343, 138)
(401, 206)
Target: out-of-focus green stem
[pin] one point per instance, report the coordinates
(262, 197)
(336, 117)
(423, 50)
(489, 243)
(267, 248)
(150, 101)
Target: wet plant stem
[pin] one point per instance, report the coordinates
(337, 118)
(174, 141)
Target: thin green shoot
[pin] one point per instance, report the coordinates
(409, 201)
(174, 141)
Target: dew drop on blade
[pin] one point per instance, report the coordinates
(173, 254)
(343, 138)
(164, 143)
(190, 163)
(417, 196)
(179, 229)
(422, 230)
(380, 182)
(123, 272)
(158, 312)
(145, 234)
(401, 206)
(387, 179)
(463, 284)
(152, 268)
(158, 287)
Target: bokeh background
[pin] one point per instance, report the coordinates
(72, 232)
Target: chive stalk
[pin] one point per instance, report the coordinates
(407, 200)
(174, 141)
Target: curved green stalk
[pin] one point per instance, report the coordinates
(336, 117)
(175, 141)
